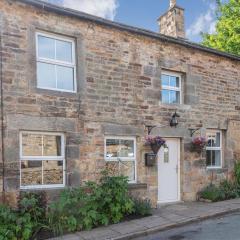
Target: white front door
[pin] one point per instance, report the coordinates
(168, 171)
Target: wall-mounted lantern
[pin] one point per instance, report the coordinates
(174, 120)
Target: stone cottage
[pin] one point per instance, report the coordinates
(79, 93)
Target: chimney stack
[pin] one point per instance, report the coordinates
(172, 22)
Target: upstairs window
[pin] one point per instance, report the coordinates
(214, 149)
(56, 69)
(171, 88)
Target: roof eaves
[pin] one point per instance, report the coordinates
(73, 13)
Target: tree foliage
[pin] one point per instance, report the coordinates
(227, 35)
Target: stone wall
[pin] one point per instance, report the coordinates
(119, 92)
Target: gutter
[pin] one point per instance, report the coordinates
(123, 27)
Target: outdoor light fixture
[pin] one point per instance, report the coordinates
(174, 120)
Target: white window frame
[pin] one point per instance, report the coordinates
(215, 148)
(169, 88)
(42, 158)
(58, 62)
(128, 159)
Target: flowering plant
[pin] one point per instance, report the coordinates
(198, 143)
(155, 142)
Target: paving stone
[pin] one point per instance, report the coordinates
(127, 227)
(98, 234)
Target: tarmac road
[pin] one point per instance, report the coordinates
(221, 228)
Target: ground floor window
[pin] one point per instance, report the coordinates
(42, 160)
(214, 149)
(120, 154)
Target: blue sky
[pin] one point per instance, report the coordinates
(199, 14)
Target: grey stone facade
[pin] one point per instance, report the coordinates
(119, 92)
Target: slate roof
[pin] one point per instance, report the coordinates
(87, 17)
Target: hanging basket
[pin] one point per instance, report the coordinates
(155, 142)
(198, 144)
(155, 148)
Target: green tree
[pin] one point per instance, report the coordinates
(227, 36)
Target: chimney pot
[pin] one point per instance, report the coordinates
(173, 3)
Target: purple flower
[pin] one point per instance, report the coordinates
(154, 140)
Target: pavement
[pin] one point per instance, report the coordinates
(165, 218)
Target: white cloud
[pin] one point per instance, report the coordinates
(102, 8)
(206, 22)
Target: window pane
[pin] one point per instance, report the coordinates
(174, 97)
(65, 78)
(46, 47)
(165, 96)
(64, 51)
(165, 80)
(52, 172)
(125, 168)
(31, 173)
(112, 148)
(51, 145)
(31, 144)
(174, 81)
(126, 148)
(217, 143)
(46, 75)
(216, 158)
(209, 157)
(119, 148)
(213, 158)
(214, 139)
(128, 169)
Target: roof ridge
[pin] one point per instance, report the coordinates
(88, 17)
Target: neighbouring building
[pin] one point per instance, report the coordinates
(78, 92)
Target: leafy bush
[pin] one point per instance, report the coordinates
(8, 227)
(142, 207)
(115, 203)
(237, 172)
(76, 209)
(213, 193)
(25, 222)
(90, 206)
(230, 189)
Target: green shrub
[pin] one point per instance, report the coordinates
(24, 223)
(90, 206)
(230, 189)
(237, 172)
(63, 214)
(213, 193)
(8, 228)
(114, 201)
(142, 207)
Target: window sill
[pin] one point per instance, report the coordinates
(175, 105)
(133, 186)
(217, 169)
(57, 93)
(40, 188)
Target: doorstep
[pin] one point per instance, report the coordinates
(166, 217)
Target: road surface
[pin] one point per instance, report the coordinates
(221, 228)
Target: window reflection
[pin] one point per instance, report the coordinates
(36, 167)
(119, 148)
